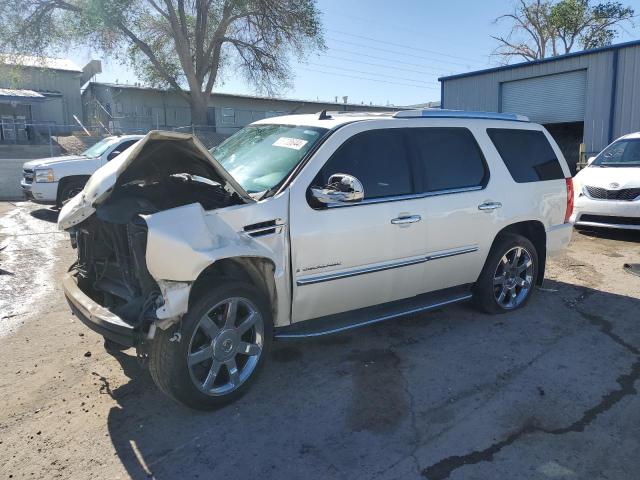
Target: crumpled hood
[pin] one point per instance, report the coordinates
(102, 182)
(625, 177)
(45, 162)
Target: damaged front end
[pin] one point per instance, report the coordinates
(110, 287)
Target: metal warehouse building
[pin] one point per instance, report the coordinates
(40, 90)
(132, 107)
(585, 99)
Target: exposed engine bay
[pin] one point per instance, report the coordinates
(111, 243)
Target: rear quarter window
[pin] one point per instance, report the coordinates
(527, 154)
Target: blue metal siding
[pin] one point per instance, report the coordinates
(482, 91)
(627, 104)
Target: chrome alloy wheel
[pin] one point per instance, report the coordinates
(226, 346)
(513, 278)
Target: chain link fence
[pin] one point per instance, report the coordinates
(73, 139)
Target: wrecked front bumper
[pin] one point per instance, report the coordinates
(98, 318)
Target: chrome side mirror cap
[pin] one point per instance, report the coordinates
(342, 188)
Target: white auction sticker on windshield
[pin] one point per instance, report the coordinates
(288, 142)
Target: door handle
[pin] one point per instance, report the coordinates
(489, 206)
(405, 220)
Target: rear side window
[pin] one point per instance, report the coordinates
(378, 158)
(527, 154)
(446, 158)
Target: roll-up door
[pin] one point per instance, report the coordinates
(555, 98)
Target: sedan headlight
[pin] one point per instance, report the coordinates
(44, 176)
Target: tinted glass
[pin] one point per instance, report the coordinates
(527, 154)
(378, 158)
(124, 145)
(623, 153)
(447, 158)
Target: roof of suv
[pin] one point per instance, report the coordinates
(331, 120)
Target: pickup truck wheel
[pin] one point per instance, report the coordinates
(224, 340)
(69, 190)
(509, 275)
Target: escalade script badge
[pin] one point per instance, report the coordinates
(317, 267)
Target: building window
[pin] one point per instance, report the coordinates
(228, 116)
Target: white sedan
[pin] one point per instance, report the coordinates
(608, 189)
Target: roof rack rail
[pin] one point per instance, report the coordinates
(441, 113)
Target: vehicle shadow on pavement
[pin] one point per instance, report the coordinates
(416, 398)
(47, 214)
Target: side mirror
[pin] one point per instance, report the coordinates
(113, 155)
(342, 188)
(590, 160)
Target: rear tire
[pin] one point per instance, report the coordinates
(509, 275)
(220, 350)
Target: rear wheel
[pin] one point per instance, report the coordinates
(509, 275)
(224, 340)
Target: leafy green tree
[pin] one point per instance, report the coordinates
(543, 28)
(186, 45)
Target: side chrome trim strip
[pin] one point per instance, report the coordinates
(413, 196)
(382, 318)
(358, 271)
(379, 268)
(452, 253)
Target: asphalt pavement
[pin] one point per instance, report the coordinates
(547, 392)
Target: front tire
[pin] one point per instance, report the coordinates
(69, 190)
(224, 340)
(509, 275)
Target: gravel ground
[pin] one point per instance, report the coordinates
(548, 392)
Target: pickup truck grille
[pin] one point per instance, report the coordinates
(627, 194)
(27, 174)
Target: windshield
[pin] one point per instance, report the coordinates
(623, 153)
(99, 148)
(259, 157)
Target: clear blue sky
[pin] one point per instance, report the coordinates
(385, 51)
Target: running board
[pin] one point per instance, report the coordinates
(342, 322)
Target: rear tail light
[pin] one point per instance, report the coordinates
(569, 210)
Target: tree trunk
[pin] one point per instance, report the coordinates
(199, 103)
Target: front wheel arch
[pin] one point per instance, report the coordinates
(256, 271)
(65, 182)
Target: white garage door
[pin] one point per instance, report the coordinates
(550, 99)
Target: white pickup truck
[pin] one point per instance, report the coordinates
(57, 179)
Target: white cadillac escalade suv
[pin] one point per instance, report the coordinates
(306, 225)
